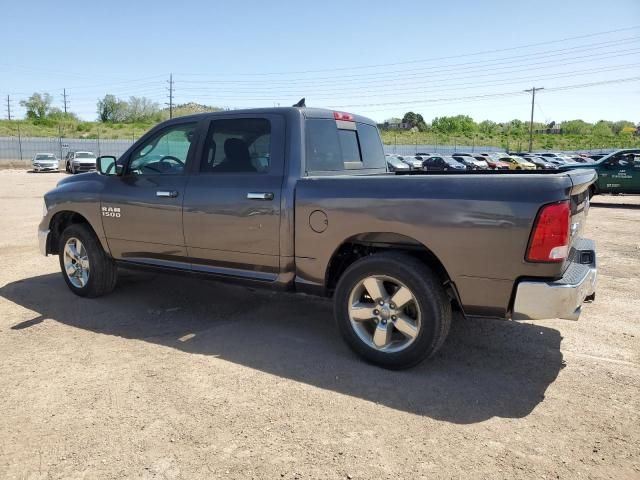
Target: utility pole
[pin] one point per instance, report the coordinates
(533, 101)
(170, 95)
(8, 107)
(64, 100)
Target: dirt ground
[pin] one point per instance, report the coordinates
(179, 378)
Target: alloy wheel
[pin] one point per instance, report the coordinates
(384, 313)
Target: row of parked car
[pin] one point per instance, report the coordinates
(485, 161)
(74, 162)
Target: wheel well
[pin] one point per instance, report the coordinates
(58, 224)
(366, 244)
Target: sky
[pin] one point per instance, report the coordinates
(375, 58)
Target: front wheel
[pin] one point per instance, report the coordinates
(86, 267)
(392, 310)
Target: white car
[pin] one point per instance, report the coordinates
(44, 162)
(80, 162)
(411, 160)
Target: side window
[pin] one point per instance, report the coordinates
(323, 147)
(371, 146)
(349, 146)
(329, 148)
(165, 153)
(239, 145)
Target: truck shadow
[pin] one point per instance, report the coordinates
(486, 368)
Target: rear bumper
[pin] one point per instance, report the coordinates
(561, 298)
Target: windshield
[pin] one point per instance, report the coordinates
(45, 156)
(85, 155)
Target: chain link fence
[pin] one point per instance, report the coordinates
(17, 152)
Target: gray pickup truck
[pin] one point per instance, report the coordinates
(300, 199)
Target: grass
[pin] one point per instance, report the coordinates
(513, 142)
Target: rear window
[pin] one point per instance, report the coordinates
(331, 149)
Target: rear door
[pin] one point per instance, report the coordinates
(232, 201)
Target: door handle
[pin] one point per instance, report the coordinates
(260, 196)
(166, 194)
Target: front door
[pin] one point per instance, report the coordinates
(232, 200)
(620, 173)
(142, 209)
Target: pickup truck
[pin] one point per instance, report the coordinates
(618, 172)
(300, 199)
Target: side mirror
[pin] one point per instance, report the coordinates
(106, 165)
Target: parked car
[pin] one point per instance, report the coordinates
(517, 163)
(471, 162)
(396, 165)
(495, 164)
(45, 162)
(392, 250)
(441, 163)
(80, 162)
(412, 161)
(541, 162)
(618, 172)
(581, 158)
(491, 163)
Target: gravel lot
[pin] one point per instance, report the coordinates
(176, 378)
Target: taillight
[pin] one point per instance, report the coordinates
(347, 117)
(550, 237)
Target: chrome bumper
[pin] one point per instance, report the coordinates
(562, 298)
(43, 238)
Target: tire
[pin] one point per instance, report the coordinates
(429, 300)
(102, 272)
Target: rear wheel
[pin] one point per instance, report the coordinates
(392, 310)
(86, 267)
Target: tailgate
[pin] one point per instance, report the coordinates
(579, 196)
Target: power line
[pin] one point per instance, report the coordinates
(394, 90)
(436, 73)
(424, 101)
(455, 67)
(433, 59)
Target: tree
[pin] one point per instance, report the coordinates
(38, 106)
(141, 109)
(410, 118)
(488, 127)
(618, 126)
(56, 114)
(576, 127)
(112, 109)
(460, 124)
(602, 128)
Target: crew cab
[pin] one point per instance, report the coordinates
(300, 199)
(618, 172)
